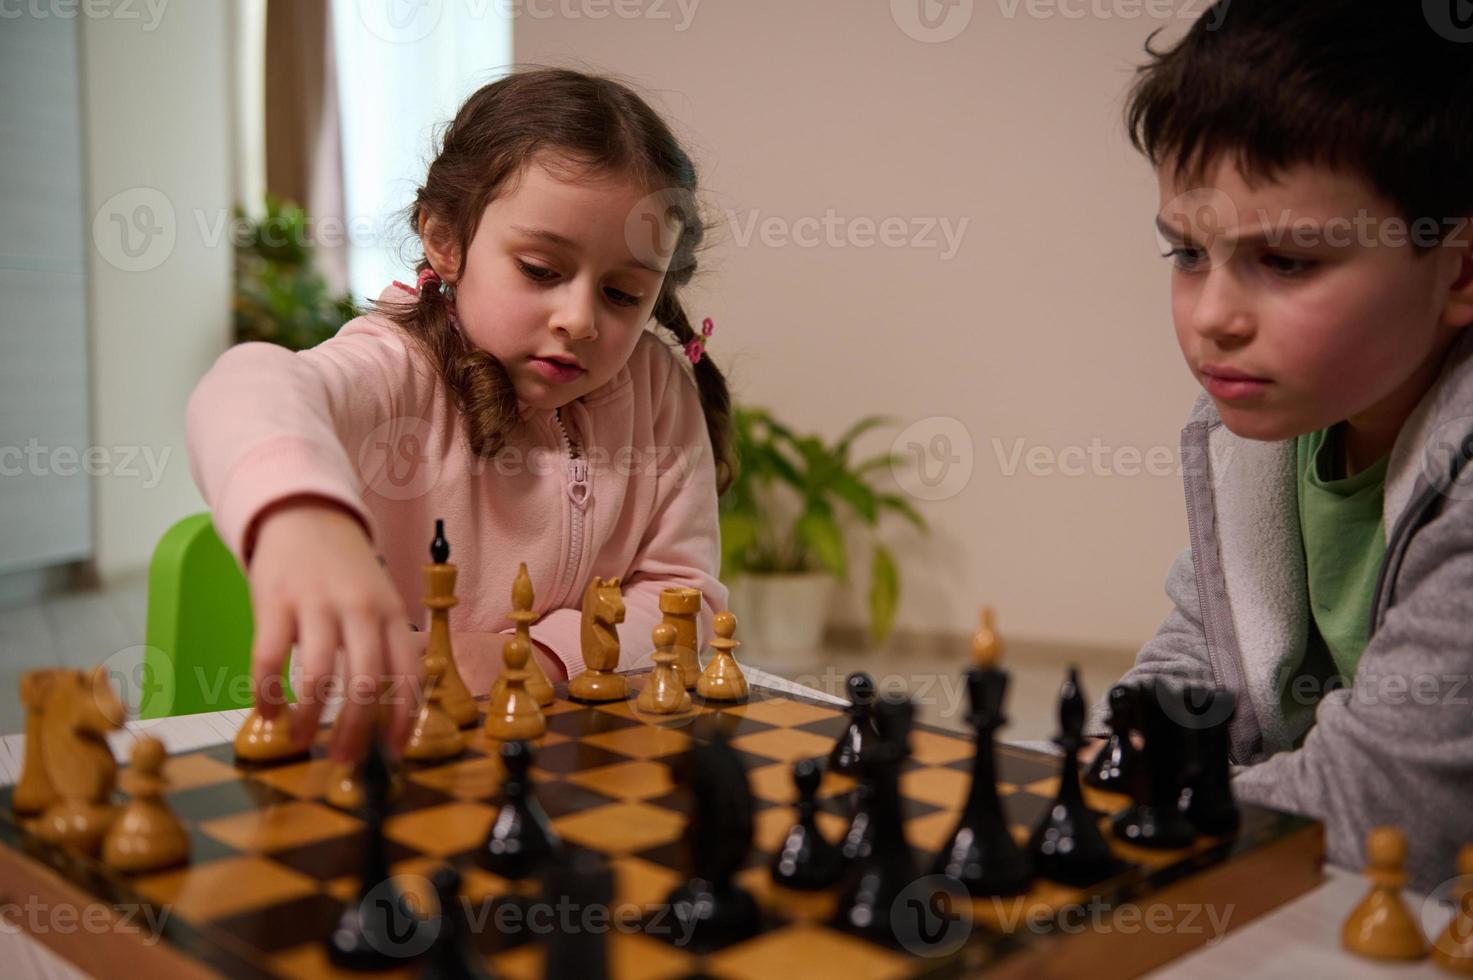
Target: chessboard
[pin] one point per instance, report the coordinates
(272, 864)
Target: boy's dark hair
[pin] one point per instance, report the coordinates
(1375, 87)
(583, 124)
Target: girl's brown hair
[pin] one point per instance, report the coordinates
(598, 125)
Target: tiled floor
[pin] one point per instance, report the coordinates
(81, 629)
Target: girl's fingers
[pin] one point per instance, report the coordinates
(313, 691)
(274, 633)
(405, 666)
(317, 644)
(364, 658)
(358, 718)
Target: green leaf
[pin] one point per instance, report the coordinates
(778, 429)
(901, 506)
(820, 534)
(841, 450)
(785, 470)
(884, 594)
(880, 462)
(858, 495)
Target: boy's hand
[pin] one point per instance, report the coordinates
(316, 581)
(1091, 748)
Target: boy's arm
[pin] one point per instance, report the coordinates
(1397, 747)
(1179, 648)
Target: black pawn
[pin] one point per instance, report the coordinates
(1207, 800)
(575, 951)
(876, 880)
(1119, 768)
(378, 930)
(711, 910)
(860, 731)
(521, 841)
(806, 861)
(1158, 821)
(451, 957)
(439, 547)
(981, 852)
(1067, 845)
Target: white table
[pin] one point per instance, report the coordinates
(1298, 941)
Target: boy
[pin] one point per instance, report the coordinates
(1315, 161)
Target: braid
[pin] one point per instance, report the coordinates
(477, 381)
(710, 383)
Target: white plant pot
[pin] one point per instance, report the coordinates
(780, 615)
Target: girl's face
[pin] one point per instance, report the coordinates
(552, 285)
(1297, 305)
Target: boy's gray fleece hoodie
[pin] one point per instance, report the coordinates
(1397, 746)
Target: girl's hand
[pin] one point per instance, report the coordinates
(316, 581)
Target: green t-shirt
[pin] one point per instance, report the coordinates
(1344, 543)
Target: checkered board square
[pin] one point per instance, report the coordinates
(273, 863)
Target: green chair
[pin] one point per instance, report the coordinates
(198, 655)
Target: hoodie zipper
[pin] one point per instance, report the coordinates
(578, 492)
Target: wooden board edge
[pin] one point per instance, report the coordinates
(121, 949)
(1252, 885)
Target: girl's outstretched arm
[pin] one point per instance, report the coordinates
(275, 439)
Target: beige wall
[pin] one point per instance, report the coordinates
(156, 111)
(1050, 324)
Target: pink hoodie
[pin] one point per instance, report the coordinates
(363, 419)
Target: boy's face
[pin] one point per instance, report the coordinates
(551, 285)
(1297, 305)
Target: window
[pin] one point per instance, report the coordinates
(403, 68)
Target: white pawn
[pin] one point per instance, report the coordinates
(513, 713)
(664, 693)
(723, 680)
(1380, 927)
(146, 835)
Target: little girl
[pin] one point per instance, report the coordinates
(513, 391)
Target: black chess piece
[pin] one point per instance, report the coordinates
(981, 853)
(806, 861)
(875, 880)
(521, 840)
(1067, 845)
(859, 836)
(1158, 822)
(439, 547)
(711, 910)
(577, 950)
(378, 930)
(451, 957)
(1119, 767)
(1207, 801)
(860, 730)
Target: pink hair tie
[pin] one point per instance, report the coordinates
(427, 274)
(696, 348)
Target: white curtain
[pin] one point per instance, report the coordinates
(404, 67)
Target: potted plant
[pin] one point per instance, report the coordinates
(280, 296)
(783, 549)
